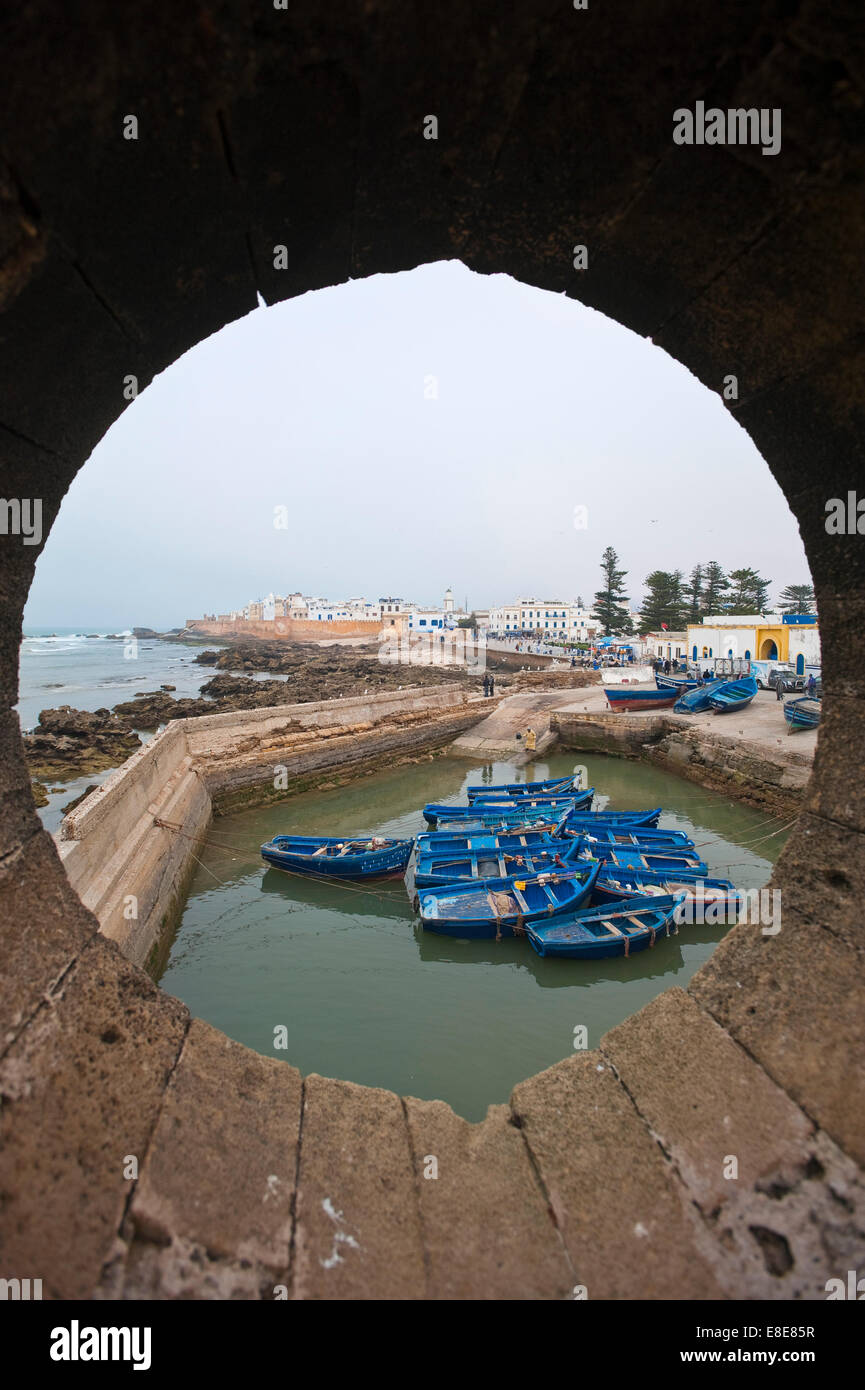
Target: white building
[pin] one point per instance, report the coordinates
(777, 637)
(553, 618)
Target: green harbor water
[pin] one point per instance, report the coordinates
(365, 994)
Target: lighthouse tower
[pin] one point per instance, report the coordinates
(449, 601)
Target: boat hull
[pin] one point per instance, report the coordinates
(492, 910)
(296, 855)
(601, 932)
(623, 701)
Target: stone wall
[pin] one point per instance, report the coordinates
(285, 629)
(128, 848)
(773, 779)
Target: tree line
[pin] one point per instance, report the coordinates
(673, 601)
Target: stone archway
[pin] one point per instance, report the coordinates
(258, 130)
(769, 650)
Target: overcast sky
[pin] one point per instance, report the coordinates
(319, 405)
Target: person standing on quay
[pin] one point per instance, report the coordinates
(492, 680)
(530, 740)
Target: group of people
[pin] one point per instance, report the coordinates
(489, 684)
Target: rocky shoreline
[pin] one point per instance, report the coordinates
(69, 742)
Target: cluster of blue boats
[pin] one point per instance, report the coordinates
(689, 695)
(529, 859)
(686, 695)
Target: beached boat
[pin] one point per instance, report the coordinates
(435, 868)
(803, 713)
(503, 906)
(526, 809)
(553, 786)
(733, 695)
(322, 856)
(624, 698)
(597, 932)
(696, 700)
(614, 885)
(679, 683)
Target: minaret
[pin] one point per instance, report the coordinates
(449, 601)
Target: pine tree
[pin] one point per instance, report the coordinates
(695, 594)
(715, 587)
(749, 593)
(797, 598)
(665, 602)
(610, 610)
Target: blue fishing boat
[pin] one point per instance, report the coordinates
(598, 932)
(321, 856)
(803, 713)
(526, 810)
(456, 843)
(641, 837)
(500, 907)
(696, 700)
(435, 868)
(581, 799)
(502, 825)
(679, 683)
(627, 698)
(733, 695)
(633, 819)
(718, 894)
(677, 860)
(553, 786)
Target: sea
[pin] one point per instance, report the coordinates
(92, 668)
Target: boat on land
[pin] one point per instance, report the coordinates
(616, 885)
(434, 867)
(679, 683)
(696, 700)
(625, 698)
(529, 809)
(733, 695)
(553, 786)
(597, 932)
(500, 907)
(803, 713)
(321, 856)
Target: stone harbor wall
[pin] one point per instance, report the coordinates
(129, 848)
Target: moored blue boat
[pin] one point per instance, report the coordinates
(523, 807)
(598, 932)
(803, 713)
(642, 837)
(504, 906)
(719, 896)
(631, 697)
(435, 868)
(553, 786)
(454, 843)
(733, 695)
(676, 859)
(633, 819)
(322, 856)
